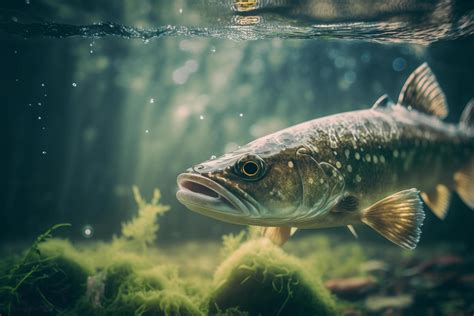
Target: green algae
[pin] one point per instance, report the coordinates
(50, 277)
(142, 229)
(261, 279)
(130, 276)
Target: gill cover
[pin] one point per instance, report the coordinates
(322, 185)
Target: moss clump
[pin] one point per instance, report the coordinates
(166, 302)
(50, 278)
(259, 278)
(116, 277)
(121, 279)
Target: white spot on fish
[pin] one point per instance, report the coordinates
(358, 178)
(335, 153)
(354, 145)
(349, 168)
(382, 159)
(367, 157)
(340, 178)
(347, 153)
(357, 156)
(375, 158)
(310, 181)
(395, 153)
(321, 181)
(290, 164)
(338, 165)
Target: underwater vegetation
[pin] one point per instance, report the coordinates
(245, 275)
(284, 286)
(128, 276)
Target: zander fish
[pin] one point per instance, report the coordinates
(368, 166)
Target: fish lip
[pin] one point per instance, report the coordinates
(204, 195)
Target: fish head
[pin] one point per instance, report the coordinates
(257, 186)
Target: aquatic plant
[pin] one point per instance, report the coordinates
(281, 282)
(142, 229)
(47, 279)
(231, 242)
(161, 303)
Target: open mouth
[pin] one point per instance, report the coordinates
(203, 195)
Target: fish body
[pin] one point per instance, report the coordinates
(367, 166)
(382, 150)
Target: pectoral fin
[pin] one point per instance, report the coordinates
(278, 235)
(438, 200)
(397, 217)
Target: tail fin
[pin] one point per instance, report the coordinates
(464, 178)
(467, 117)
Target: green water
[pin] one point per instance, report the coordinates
(102, 96)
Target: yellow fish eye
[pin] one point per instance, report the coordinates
(250, 168)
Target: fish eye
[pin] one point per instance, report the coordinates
(250, 167)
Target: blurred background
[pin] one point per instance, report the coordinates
(88, 117)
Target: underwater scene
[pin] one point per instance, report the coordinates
(231, 157)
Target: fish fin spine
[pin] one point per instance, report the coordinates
(398, 218)
(422, 92)
(278, 235)
(353, 231)
(467, 116)
(383, 102)
(464, 183)
(293, 231)
(438, 200)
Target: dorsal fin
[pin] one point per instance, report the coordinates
(423, 93)
(382, 102)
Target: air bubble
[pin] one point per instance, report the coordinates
(87, 231)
